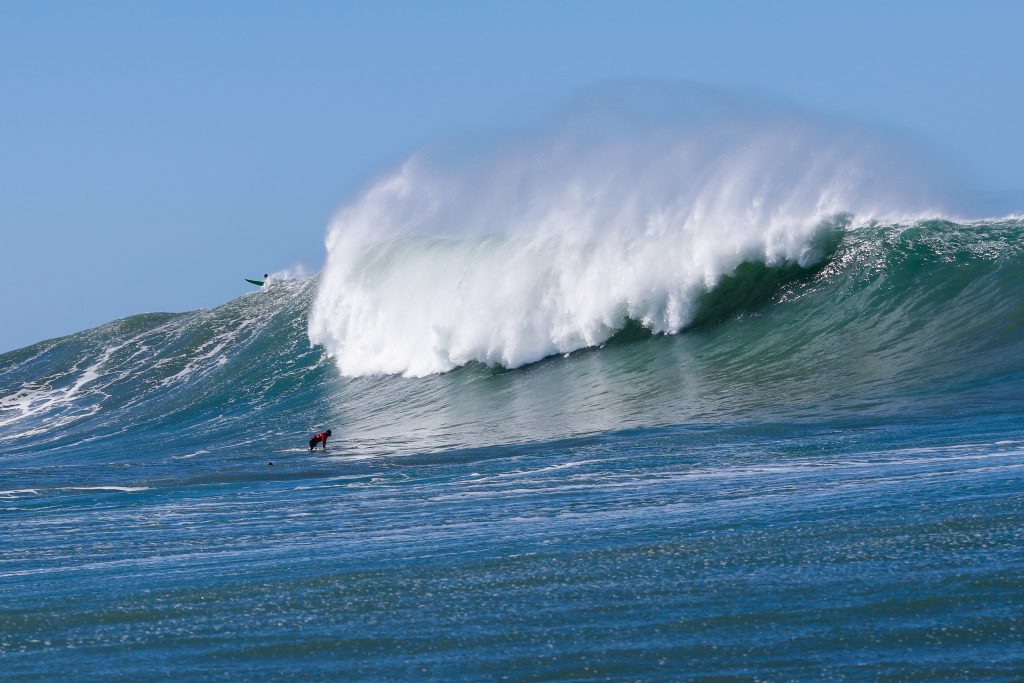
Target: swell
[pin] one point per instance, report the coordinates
(896, 320)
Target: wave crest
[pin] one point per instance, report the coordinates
(630, 207)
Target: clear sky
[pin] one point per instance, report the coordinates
(152, 154)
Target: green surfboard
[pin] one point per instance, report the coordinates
(258, 283)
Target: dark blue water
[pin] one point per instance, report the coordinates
(821, 478)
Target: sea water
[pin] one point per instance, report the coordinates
(609, 426)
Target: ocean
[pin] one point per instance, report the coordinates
(803, 462)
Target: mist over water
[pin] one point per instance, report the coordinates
(629, 206)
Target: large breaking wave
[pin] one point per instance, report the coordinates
(898, 320)
(627, 210)
(754, 233)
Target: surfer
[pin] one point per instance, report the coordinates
(319, 438)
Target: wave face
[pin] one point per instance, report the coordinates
(163, 383)
(910, 319)
(628, 210)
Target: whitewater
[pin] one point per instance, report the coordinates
(671, 387)
(628, 208)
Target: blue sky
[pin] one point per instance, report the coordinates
(152, 154)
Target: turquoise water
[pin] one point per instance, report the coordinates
(819, 478)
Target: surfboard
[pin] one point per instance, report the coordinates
(258, 283)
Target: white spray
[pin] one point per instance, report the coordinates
(628, 208)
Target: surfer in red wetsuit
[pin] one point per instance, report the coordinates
(319, 438)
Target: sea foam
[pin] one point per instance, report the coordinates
(629, 206)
